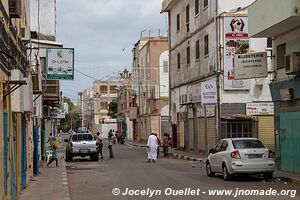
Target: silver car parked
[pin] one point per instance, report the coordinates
(233, 156)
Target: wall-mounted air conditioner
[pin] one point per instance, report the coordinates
(37, 83)
(292, 63)
(25, 33)
(17, 96)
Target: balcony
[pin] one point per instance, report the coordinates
(167, 5)
(270, 18)
(52, 94)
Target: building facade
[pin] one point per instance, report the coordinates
(150, 82)
(203, 38)
(283, 26)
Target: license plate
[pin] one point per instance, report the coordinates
(250, 156)
(83, 150)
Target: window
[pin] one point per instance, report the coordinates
(197, 50)
(178, 22)
(196, 7)
(103, 89)
(187, 18)
(188, 55)
(218, 146)
(205, 4)
(113, 89)
(206, 46)
(178, 61)
(281, 51)
(224, 146)
(248, 144)
(166, 66)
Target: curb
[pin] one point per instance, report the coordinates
(188, 158)
(65, 180)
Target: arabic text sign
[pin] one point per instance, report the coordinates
(60, 64)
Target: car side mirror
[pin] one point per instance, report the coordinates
(211, 151)
(66, 140)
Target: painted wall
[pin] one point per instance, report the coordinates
(45, 22)
(164, 75)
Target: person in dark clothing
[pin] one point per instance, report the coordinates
(110, 143)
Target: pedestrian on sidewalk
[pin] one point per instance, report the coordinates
(166, 143)
(53, 157)
(158, 145)
(152, 145)
(99, 142)
(110, 144)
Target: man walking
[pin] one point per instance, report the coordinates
(53, 157)
(100, 143)
(166, 143)
(110, 143)
(152, 145)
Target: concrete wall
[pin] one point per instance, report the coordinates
(45, 21)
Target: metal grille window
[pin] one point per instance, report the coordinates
(205, 3)
(196, 7)
(187, 17)
(206, 45)
(238, 128)
(178, 22)
(197, 50)
(188, 55)
(178, 61)
(281, 51)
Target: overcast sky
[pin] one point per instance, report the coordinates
(103, 33)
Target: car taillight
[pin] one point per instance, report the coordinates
(270, 154)
(235, 154)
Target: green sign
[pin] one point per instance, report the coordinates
(60, 64)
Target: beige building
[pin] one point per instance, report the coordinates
(150, 81)
(103, 93)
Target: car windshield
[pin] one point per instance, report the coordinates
(80, 137)
(247, 144)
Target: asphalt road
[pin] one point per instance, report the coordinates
(91, 180)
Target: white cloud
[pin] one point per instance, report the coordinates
(99, 29)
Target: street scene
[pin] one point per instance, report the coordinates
(160, 99)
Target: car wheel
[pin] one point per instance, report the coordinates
(208, 170)
(268, 175)
(226, 175)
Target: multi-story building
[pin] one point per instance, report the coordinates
(15, 101)
(150, 82)
(204, 36)
(86, 106)
(103, 93)
(282, 24)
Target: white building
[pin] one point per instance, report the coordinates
(204, 35)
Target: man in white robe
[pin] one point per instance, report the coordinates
(152, 145)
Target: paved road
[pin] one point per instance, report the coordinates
(95, 180)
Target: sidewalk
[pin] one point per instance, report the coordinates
(177, 154)
(51, 184)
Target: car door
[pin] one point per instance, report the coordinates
(221, 156)
(215, 156)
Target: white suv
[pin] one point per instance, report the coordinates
(240, 156)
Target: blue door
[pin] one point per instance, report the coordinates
(24, 154)
(36, 150)
(13, 180)
(5, 149)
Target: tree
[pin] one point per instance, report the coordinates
(72, 119)
(112, 109)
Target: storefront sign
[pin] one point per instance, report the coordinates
(260, 109)
(233, 109)
(253, 65)
(57, 113)
(60, 64)
(208, 93)
(236, 41)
